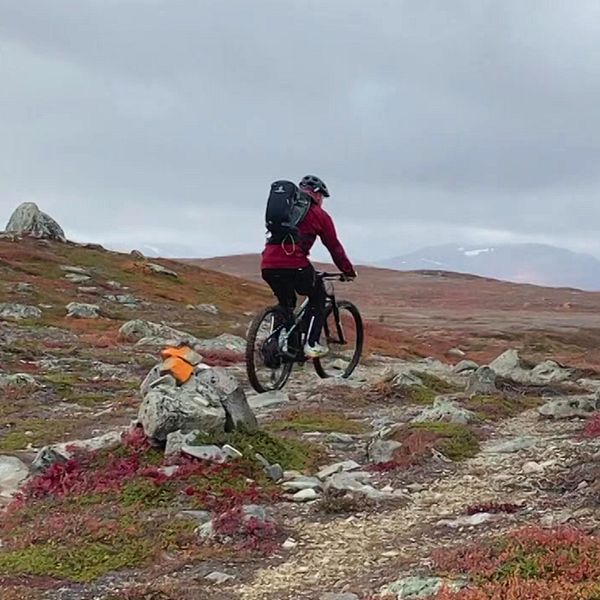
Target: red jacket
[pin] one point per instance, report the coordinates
(289, 256)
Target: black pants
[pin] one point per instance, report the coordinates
(286, 283)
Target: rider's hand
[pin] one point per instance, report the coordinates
(350, 275)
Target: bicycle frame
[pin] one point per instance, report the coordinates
(299, 316)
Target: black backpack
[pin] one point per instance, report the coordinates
(286, 208)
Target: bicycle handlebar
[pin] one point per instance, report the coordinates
(326, 275)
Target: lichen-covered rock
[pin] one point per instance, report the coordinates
(211, 401)
(382, 451)
(18, 312)
(465, 366)
(160, 270)
(571, 407)
(29, 220)
(154, 334)
(446, 410)
(225, 341)
(168, 408)
(77, 310)
(220, 385)
(12, 474)
(482, 382)
(16, 380)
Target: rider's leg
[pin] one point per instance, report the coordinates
(281, 281)
(308, 284)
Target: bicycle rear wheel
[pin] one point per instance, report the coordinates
(344, 333)
(265, 366)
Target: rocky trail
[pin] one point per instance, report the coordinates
(128, 473)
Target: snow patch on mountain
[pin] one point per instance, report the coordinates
(477, 252)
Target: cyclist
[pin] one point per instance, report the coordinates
(287, 269)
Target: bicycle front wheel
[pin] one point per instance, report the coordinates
(344, 334)
(265, 366)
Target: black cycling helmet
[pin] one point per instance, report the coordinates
(315, 184)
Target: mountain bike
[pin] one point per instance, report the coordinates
(276, 339)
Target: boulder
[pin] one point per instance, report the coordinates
(468, 520)
(571, 407)
(24, 288)
(16, 380)
(167, 408)
(219, 578)
(445, 409)
(382, 451)
(77, 279)
(76, 270)
(302, 482)
(550, 371)
(509, 365)
(18, 312)
(125, 299)
(306, 495)
(465, 366)
(510, 446)
(349, 482)
(210, 309)
(210, 453)
(137, 255)
(406, 380)
(268, 400)
(347, 465)
(211, 401)
(177, 440)
(222, 387)
(158, 334)
(482, 382)
(160, 270)
(417, 588)
(29, 220)
(225, 341)
(456, 352)
(12, 474)
(45, 458)
(77, 310)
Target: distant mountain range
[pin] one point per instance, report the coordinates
(523, 263)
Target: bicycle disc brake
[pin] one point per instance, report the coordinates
(270, 353)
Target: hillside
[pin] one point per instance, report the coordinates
(433, 311)
(539, 264)
(77, 359)
(407, 476)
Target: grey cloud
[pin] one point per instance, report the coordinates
(136, 121)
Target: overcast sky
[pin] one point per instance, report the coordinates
(162, 122)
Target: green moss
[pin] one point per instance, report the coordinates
(62, 379)
(493, 408)
(290, 454)
(418, 394)
(40, 431)
(83, 562)
(316, 421)
(435, 384)
(144, 492)
(457, 442)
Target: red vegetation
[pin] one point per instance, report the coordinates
(222, 358)
(533, 563)
(247, 533)
(102, 472)
(592, 426)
